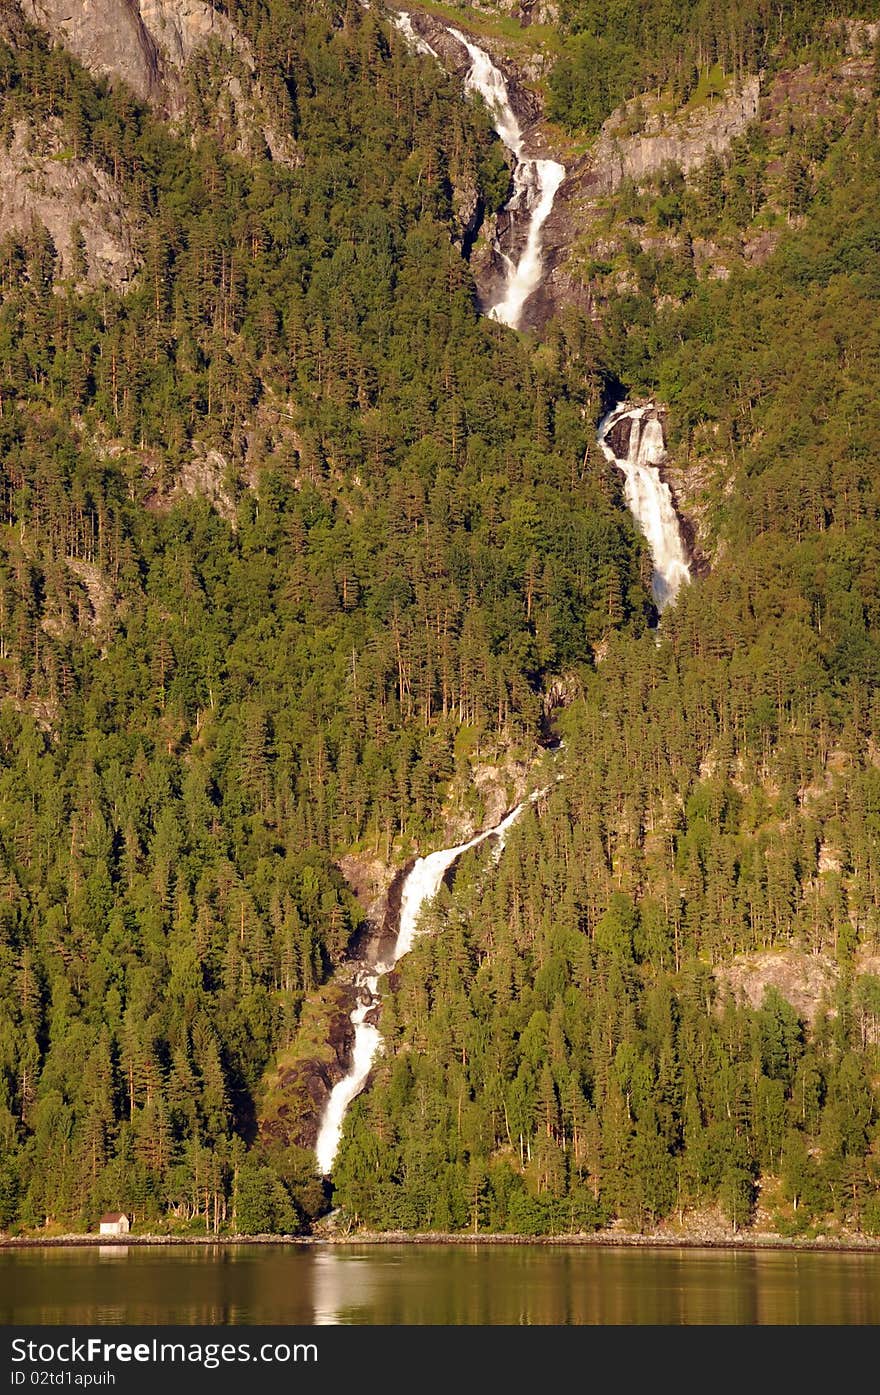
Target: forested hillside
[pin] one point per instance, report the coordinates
(566, 1047)
(611, 52)
(288, 531)
(203, 707)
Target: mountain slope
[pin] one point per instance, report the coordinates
(294, 542)
(204, 707)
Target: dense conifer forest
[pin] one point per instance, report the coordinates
(288, 529)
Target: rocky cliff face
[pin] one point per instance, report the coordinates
(108, 37)
(179, 28)
(685, 140)
(621, 152)
(149, 45)
(76, 203)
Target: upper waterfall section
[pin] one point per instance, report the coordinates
(535, 180)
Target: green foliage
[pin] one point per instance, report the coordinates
(719, 802)
(262, 1204)
(614, 51)
(592, 76)
(203, 707)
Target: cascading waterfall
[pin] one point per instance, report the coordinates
(366, 1044)
(420, 887)
(535, 183)
(648, 496)
(402, 21)
(535, 186)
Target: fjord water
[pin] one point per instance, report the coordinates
(457, 1284)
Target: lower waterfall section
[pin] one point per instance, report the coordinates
(420, 887)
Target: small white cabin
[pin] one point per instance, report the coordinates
(114, 1223)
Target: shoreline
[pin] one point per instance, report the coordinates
(851, 1244)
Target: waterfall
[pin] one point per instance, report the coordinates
(535, 183)
(366, 1044)
(421, 886)
(648, 496)
(401, 20)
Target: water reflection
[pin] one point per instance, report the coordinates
(343, 1285)
(456, 1284)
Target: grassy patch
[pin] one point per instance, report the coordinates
(712, 84)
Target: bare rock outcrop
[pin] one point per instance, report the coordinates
(809, 982)
(204, 475)
(180, 28)
(686, 141)
(75, 201)
(806, 981)
(108, 37)
(150, 44)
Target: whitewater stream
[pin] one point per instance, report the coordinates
(535, 182)
(648, 496)
(422, 884)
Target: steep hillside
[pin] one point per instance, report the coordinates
(205, 707)
(298, 547)
(187, 59)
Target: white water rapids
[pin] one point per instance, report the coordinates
(402, 21)
(535, 182)
(649, 497)
(420, 887)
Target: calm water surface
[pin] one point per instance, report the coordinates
(397, 1284)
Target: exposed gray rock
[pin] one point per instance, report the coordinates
(526, 11)
(109, 38)
(861, 36)
(180, 28)
(149, 44)
(686, 141)
(73, 199)
(806, 981)
(205, 475)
